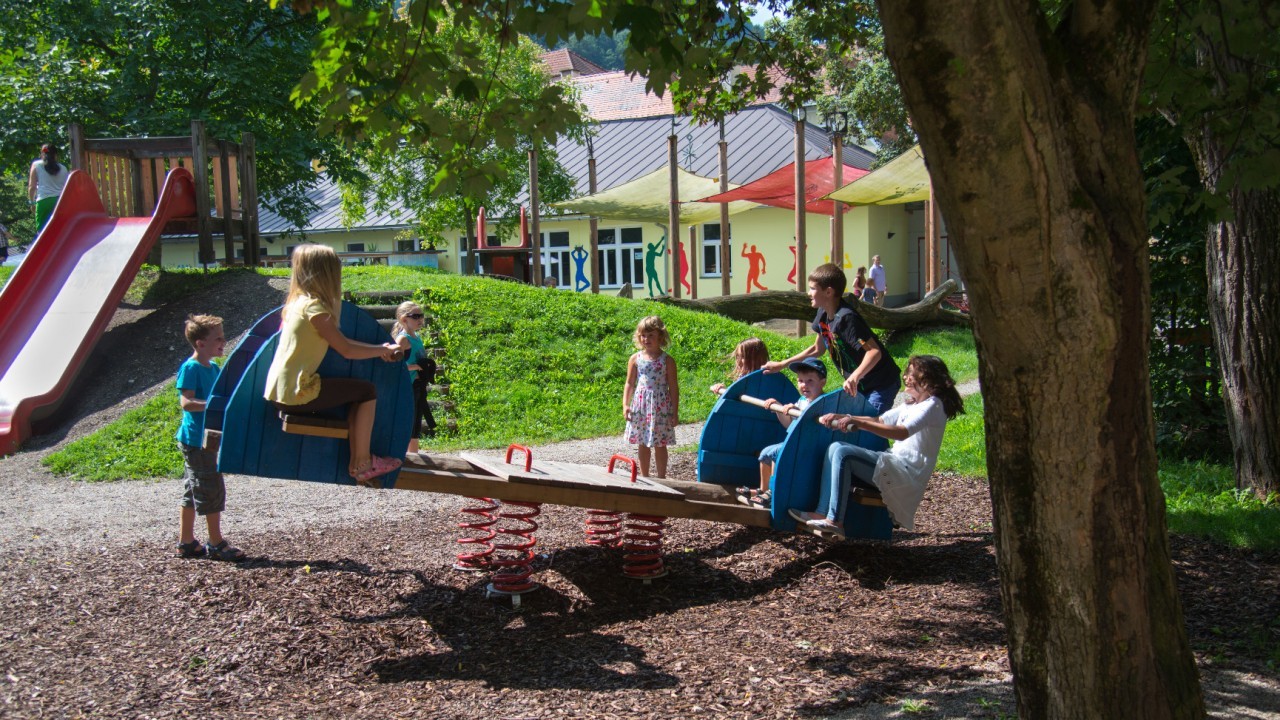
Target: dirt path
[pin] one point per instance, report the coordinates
(349, 606)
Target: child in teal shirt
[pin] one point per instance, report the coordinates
(203, 490)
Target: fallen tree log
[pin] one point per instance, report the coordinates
(794, 305)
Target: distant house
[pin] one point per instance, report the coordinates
(566, 64)
(630, 141)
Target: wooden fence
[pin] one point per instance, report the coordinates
(129, 173)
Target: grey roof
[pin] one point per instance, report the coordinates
(761, 140)
(327, 217)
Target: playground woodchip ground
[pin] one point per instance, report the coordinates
(348, 606)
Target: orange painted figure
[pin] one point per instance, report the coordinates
(795, 262)
(757, 267)
(682, 261)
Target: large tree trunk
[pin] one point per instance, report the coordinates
(1244, 310)
(1244, 296)
(1028, 133)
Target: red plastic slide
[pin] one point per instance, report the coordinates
(61, 298)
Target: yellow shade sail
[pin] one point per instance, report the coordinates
(648, 199)
(904, 179)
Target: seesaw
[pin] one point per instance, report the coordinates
(625, 511)
(740, 426)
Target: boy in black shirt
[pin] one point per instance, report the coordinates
(855, 349)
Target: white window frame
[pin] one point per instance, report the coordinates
(355, 247)
(713, 244)
(559, 253)
(614, 255)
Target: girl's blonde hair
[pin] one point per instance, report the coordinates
(408, 307)
(750, 355)
(649, 326)
(317, 272)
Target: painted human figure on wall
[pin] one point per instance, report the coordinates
(580, 281)
(683, 264)
(652, 279)
(755, 267)
(795, 262)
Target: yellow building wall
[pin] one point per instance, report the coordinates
(767, 231)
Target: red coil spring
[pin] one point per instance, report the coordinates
(642, 546)
(603, 527)
(478, 558)
(513, 568)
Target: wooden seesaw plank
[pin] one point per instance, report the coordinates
(454, 476)
(546, 472)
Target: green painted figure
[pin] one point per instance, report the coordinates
(651, 267)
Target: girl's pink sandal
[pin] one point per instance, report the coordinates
(378, 466)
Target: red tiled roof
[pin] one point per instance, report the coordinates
(564, 60)
(617, 96)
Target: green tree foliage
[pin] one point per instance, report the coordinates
(497, 155)
(861, 83)
(129, 68)
(1213, 73)
(1186, 392)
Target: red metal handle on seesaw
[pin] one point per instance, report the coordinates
(793, 412)
(624, 459)
(528, 455)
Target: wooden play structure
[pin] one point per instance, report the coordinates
(129, 171)
(496, 259)
(497, 528)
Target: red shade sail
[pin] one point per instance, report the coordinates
(778, 188)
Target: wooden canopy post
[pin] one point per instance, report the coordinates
(725, 256)
(593, 225)
(534, 232)
(801, 282)
(931, 242)
(693, 262)
(673, 212)
(224, 204)
(200, 173)
(76, 152)
(837, 207)
(249, 199)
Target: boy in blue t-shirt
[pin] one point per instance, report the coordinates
(203, 491)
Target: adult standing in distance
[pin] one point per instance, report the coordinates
(45, 184)
(878, 280)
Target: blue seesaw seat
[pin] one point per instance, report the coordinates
(736, 432)
(253, 440)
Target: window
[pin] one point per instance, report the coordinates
(555, 257)
(407, 245)
(711, 250)
(621, 255)
(355, 247)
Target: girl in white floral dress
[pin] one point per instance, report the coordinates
(651, 398)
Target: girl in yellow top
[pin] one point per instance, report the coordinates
(308, 329)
